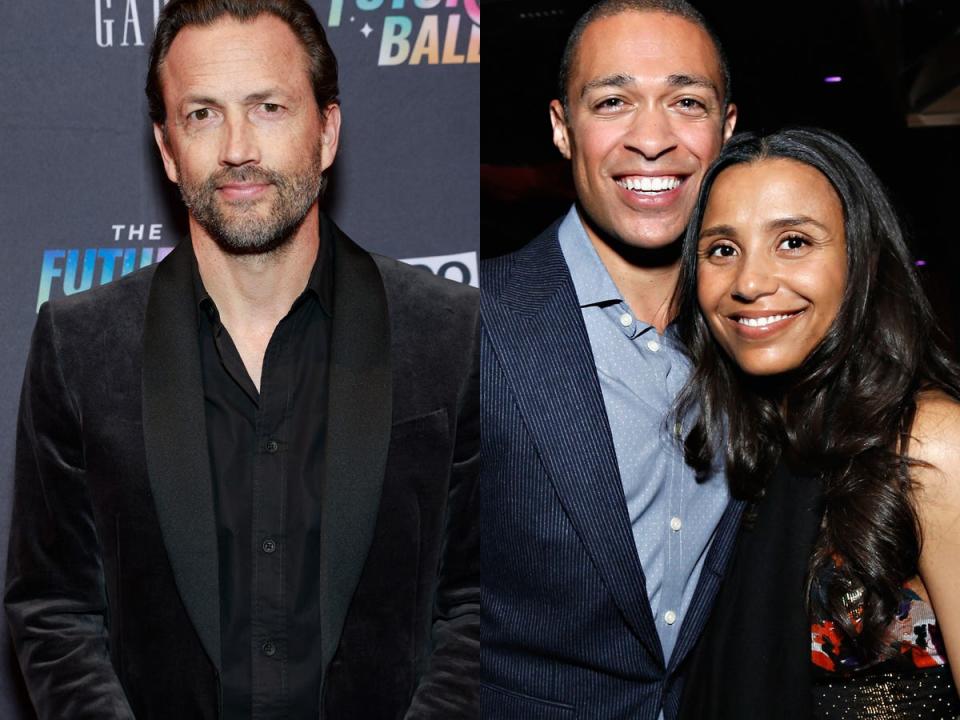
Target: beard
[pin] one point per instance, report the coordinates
(237, 227)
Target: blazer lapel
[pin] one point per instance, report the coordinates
(174, 430)
(358, 429)
(720, 551)
(537, 330)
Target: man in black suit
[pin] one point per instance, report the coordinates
(601, 550)
(252, 492)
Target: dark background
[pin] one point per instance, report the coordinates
(898, 103)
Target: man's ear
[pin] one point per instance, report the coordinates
(561, 134)
(329, 135)
(730, 121)
(168, 164)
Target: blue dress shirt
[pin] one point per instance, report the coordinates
(672, 515)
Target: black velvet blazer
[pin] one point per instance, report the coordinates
(112, 590)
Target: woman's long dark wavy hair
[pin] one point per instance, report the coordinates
(846, 413)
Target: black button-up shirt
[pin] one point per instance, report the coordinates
(266, 452)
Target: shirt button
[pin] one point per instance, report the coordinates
(670, 617)
(268, 546)
(272, 446)
(675, 524)
(269, 649)
(626, 320)
(653, 345)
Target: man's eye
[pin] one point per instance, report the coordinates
(609, 104)
(271, 107)
(691, 104)
(201, 114)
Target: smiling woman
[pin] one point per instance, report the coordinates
(772, 270)
(817, 359)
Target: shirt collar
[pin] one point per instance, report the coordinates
(319, 284)
(592, 282)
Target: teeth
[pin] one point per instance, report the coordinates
(761, 321)
(644, 183)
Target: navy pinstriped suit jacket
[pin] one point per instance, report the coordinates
(566, 629)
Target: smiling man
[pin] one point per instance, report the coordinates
(253, 491)
(601, 550)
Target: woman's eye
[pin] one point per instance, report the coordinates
(793, 242)
(722, 251)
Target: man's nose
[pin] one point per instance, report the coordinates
(240, 145)
(651, 133)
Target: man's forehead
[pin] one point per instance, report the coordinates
(230, 49)
(646, 47)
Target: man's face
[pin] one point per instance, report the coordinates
(645, 120)
(244, 138)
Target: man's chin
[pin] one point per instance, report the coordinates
(651, 247)
(641, 238)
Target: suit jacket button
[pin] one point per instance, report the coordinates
(269, 649)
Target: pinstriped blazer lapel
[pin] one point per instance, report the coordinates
(709, 583)
(537, 332)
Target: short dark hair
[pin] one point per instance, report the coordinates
(610, 8)
(846, 413)
(297, 14)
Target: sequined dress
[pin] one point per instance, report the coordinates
(914, 683)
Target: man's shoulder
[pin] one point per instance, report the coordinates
(539, 259)
(433, 321)
(104, 304)
(413, 289)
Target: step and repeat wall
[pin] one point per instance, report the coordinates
(84, 199)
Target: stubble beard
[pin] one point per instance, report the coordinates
(237, 227)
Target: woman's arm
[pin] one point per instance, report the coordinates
(936, 440)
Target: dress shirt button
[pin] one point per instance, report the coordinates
(670, 617)
(268, 546)
(626, 320)
(675, 524)
(272, 446)
(653, 345)
(269, 649)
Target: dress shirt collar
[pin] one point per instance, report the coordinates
(591, 280)
(319, 284)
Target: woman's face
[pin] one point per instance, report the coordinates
(772, 263)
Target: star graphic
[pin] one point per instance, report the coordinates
(366, 30)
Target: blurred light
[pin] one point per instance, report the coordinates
(920, 263)
(833, 79)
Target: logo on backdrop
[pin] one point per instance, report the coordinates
(120, 22)
(460, 267)
(67, 271)
(401, 32)
(414, 32)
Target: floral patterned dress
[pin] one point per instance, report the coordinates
(913, 681)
